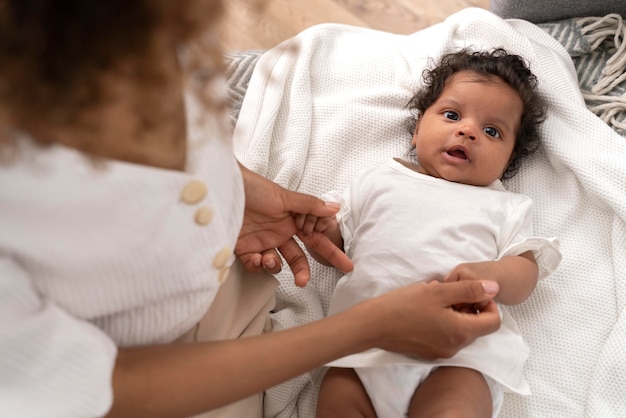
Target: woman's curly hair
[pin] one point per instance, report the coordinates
(510, 68)
(55, 52)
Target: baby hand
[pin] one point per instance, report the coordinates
(471, 271)
(308, 223)
(322, 238)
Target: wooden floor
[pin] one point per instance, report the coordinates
(248, 26)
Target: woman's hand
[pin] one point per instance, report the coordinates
(269, 226)
(420, 320)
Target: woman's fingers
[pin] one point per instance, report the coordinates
(324, 247)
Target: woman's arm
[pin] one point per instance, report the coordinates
(184, 379)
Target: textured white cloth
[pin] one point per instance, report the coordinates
(400, 227)
(331, 101)
(96, 254)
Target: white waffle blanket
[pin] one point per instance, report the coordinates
(331, 101)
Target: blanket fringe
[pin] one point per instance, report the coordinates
(611, 108)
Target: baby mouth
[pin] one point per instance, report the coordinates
(457, 153)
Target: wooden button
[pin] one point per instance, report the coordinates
(223, 275)
(193, 192)
(222, 257)
(204, 215)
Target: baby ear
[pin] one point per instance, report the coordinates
(417, 125)
(511, 158)
(508, 163)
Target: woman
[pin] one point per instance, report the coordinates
(123, 217)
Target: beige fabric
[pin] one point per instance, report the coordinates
(241, 308)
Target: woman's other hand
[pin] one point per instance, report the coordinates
(269, 226)
(420, 320)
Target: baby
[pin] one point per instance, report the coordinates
(441, 213)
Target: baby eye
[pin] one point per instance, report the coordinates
(492, 132)
(449, 114)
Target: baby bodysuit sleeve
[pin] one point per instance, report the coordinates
(51, 364)
(519, 236)
(347, 217)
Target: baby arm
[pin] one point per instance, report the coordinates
(516, 275)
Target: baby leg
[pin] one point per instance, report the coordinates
(342, 395)
(452, 392)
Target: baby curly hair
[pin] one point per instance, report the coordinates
(510, 68)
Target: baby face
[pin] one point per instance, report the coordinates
(468, 134)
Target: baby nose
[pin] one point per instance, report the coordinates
(467, 132)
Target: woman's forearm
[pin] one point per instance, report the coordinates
(183, 379)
